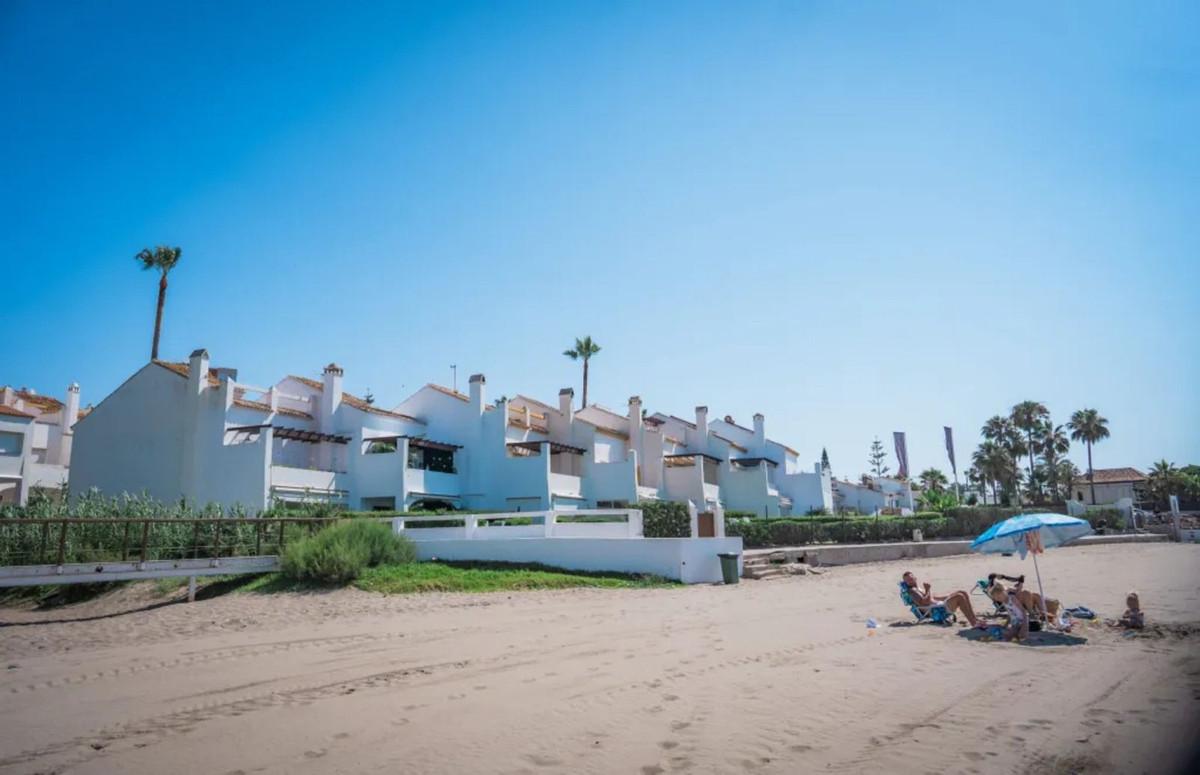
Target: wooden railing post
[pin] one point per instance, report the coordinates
(62, 543)
(125, 542)
(217, 538)
(45, 538)
(280, 551)
(258, 538)
(195, 539)
(145, 537)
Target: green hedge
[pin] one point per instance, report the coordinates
(960, 522)
(665, 519)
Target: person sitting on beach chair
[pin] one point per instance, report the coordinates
(1018, 614)
(1031, 601)
(936, 608)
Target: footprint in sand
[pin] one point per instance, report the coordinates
(680, 725)
(652, 769)
(668, 745)
(315, 754)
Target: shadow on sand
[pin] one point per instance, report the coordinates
(1035, 638)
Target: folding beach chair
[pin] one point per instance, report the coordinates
(935, 613)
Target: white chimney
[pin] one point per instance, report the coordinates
(10, 397)
(331, 393)
(702, 426)
(760, 434)
(476, 389)
(71, 409)
(197, 371)
(566, 397)
(635, 414)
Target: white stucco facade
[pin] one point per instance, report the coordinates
(36, 439)
(874, 495)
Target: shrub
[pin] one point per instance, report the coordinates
(665, 519)
(1113, 519)
(729, 514)
(338, 554)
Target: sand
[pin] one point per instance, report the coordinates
(767, 677)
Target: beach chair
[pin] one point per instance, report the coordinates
(935, 613)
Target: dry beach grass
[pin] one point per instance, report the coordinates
(776, 676)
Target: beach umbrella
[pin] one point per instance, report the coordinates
(1030, 534)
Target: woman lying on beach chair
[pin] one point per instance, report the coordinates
(936, 608)
(1031, 601)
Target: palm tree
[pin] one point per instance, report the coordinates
(1000, 431)
(164, 260)
(584, 349)
(1163, 479)
(994, 464)
(1030, 416)
(1053, 444)
(1066, 472)
(1089, 427)
(934, 480)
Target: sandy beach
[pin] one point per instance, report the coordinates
(770, 677)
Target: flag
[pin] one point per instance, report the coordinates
(950, 448)
(901, 454)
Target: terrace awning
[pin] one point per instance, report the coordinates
(555, 447)
(295, 434)
(418, 441)
(680, 456)
(748, 462)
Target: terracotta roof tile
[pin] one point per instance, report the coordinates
(262, 406)
(448, 391)
(605, 429)
(354, 402)
(1113, 476)
(731, 443)
(45, 404)
(13, 412)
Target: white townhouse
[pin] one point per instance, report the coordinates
(874, 494)
(191, 431)
(739, 468)
(523, 454)
(36, 437)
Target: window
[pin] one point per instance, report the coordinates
(425, 459)
(11, 443)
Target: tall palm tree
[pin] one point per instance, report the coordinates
(1088, 426)
(1030, 416)
(163, 259)
(1053, 444)
(1000, 431)
(583, 350)
(995, 465)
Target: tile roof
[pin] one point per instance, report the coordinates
(262, 406)
(45, 404)
(13, 412)
(182, 370)
(605, 429)
(354, 402)
(535, 401)
(448, 391)
(1113, 476)
(731, 443)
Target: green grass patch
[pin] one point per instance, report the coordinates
(491, 577)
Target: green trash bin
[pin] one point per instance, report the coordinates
(729, 569)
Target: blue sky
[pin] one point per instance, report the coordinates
(854, 218)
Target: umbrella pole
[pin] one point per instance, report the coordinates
(1038, 573)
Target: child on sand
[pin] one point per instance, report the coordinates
(1018, 617)
(1133, 618)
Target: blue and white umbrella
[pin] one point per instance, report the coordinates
(1030, 532)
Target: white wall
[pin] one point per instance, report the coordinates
(132, 441)
(690, 560)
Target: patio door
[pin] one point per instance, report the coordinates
(706, 525)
